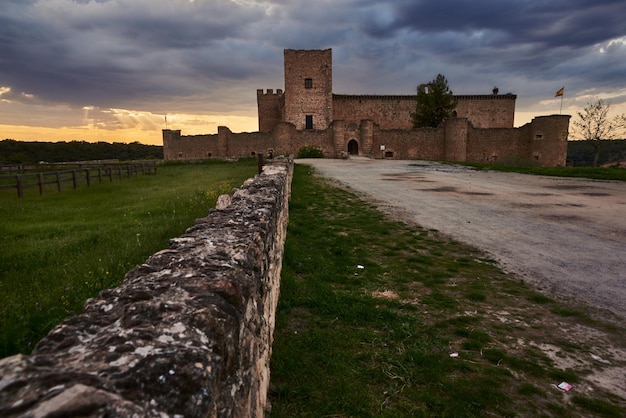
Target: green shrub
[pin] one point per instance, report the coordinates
(310, 152)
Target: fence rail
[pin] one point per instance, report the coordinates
(75, 177)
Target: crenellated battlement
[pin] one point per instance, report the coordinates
(507, 96)
(269, 92)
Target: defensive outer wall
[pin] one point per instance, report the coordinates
(187, 334)
(541, 142)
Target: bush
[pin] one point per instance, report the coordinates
(310, 152)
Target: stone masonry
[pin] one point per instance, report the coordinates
(308, 114)
(187, 334)
(309, 94)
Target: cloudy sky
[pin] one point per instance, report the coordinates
(110, 70)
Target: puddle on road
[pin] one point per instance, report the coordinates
(440, 167)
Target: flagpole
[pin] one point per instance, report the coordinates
(560, 92)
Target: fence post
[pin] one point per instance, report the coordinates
(88, 177)
(20, 187)
(119, 171)
(260, 162)
(40, 183)
(99, 174)
(110, 174)
(74, 178)
(59, 182)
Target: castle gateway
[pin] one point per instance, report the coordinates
(308, 114)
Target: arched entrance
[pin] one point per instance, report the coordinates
(353, 147)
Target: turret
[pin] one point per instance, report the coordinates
(270, 106)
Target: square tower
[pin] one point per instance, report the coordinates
(308, 88)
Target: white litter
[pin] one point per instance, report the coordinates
(600, 359)
(565, 386)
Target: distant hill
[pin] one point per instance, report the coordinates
(580, 153)
(25, 152)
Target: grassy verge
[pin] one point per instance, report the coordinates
(377, 318)
(59, 249)
(598, 173)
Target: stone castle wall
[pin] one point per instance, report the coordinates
(504, 145)
(541, 142)
(389, 112)
(394, 112)
(487, 111)
(188, 333)
(425, 143)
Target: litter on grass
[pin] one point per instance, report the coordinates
(565, 386)
(600, 359)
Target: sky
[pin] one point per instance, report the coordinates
(123, 70)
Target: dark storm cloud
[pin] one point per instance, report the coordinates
(573, 23)
(100, 51)
(215, 53)
(522, 33)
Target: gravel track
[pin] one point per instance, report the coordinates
(565, 236)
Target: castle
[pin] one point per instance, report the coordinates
(308, 114)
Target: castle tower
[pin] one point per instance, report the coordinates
(548, 140)
(308, 88)
(270, 108)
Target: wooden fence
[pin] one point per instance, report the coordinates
(74, 176)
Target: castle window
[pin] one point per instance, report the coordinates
(308, 122)
(538, 135)
(308, 83)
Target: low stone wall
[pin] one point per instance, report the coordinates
(187, 334)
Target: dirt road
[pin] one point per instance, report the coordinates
(565, 236)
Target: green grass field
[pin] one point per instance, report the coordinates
(379, 318)
(599, 173)
(59, 249)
